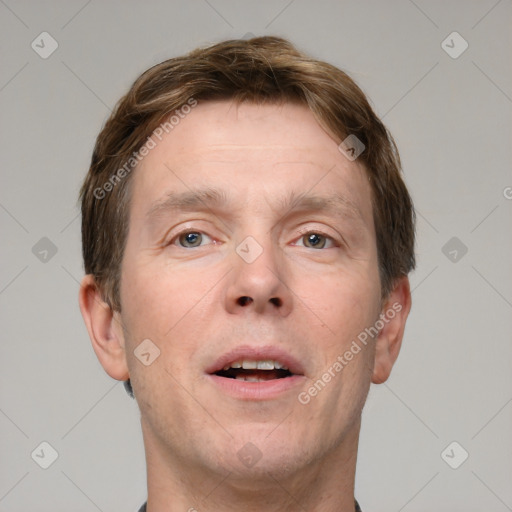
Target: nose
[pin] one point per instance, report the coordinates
(258, 280)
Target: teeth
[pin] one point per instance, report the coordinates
(256, 365)
(249, 379)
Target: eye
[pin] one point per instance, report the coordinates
(189, 239)
(317, 240)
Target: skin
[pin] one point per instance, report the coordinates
(184, 296)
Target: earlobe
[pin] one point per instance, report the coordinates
(389, 341)
(104, 328)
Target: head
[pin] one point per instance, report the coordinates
(220, 219)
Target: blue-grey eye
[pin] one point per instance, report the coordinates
(191, 239)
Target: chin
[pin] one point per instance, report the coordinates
(278, 467)
(257, 457)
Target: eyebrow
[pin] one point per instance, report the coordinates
(211, 199)
(192, 200)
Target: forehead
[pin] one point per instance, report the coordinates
(266, 151)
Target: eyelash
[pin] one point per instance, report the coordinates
(303, 234)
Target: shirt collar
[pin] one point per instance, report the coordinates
(358, 508)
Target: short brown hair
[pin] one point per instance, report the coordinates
(260, 70)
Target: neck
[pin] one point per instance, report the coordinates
(324, 485)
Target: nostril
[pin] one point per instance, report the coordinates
(244, 300)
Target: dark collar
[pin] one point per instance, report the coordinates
(358, 508)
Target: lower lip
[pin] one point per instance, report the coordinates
(263, 390)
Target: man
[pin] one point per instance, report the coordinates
(247, 238)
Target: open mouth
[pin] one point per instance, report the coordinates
(254, 371)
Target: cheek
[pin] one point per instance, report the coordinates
(169, 307)
(350, 298)
(151, 297)
(350, 305)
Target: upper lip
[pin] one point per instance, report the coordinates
(254, 353)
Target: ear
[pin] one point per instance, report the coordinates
(104, 329)
(393, 315)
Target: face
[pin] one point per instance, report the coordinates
(251, 247)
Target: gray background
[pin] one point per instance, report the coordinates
(452, 121)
